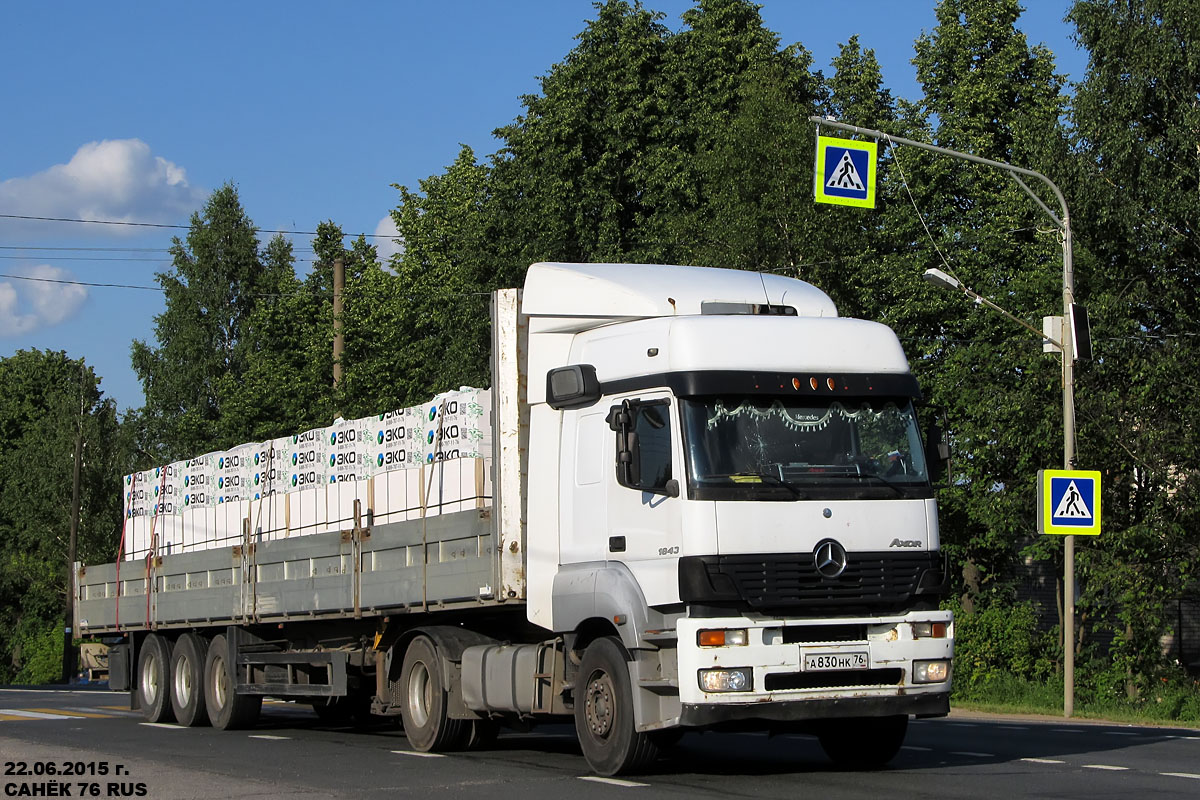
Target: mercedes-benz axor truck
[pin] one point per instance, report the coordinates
(705, 503)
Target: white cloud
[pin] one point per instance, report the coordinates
(30, 305)
(390, 246)
(12, 322)
(116, 179)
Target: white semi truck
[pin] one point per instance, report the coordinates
(711, 508)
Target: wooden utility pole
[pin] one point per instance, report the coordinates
(339, 341)
(68, 661)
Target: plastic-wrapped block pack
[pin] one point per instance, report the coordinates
(306, 489)
(348, 469)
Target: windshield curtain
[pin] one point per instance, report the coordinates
(763, 447)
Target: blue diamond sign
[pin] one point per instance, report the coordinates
(1068, 502)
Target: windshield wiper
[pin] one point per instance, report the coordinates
(871, 475)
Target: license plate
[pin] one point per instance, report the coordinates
(822, 662)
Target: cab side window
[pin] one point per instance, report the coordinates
(643, 444)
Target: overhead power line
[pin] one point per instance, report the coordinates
(167, 225)
(83, 283)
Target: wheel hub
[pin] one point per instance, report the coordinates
(599, 705)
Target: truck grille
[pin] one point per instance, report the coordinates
(871, 582)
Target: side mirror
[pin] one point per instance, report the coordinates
(575, 386)
(620, 420)
(937, 451)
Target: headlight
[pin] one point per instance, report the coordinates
(930, 671)
(740, 679)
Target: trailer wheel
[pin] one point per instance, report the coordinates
(227, 710)
(863, 744)
(154, 679)
(423, 707)
(187, 680)
(604, 712)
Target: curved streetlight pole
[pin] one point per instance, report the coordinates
(1063, 222)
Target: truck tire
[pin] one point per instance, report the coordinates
(154, 679)
(187, 680)
(227, 710)
(423, 707)
(865, 743)
(604, 712)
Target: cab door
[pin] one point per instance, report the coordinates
(644, 529)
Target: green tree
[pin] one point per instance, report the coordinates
(217, 279)
(572, 175)
(428, 320)
(48, 400)
(1136, 123)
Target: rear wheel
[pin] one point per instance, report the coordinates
(604, 712)
(424, 705)
(227, 710)
(187, 680)
(865, 743)
(154, 679)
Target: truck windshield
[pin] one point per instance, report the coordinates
(754, 447)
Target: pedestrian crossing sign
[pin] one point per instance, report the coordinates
(845, 173)
(1068, 502)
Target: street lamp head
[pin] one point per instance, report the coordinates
(943, 279)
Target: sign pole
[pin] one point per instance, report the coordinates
(1068, 379)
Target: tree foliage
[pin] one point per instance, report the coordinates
(48, 400)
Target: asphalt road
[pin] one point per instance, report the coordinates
(290, 754)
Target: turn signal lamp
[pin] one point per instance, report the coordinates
(722, 638)
(929, 630)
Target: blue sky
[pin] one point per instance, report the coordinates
(135, 111)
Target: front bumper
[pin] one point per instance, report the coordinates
(782, 689)
(922, 705)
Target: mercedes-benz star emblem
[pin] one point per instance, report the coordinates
(829, 559)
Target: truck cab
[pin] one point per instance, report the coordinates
(731, 480)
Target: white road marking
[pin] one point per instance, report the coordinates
(1120, 733)
(267, 736)
(20, 712)
(970, 754)
(62, 691)
(612, 781)
(417, 753)
(166, 725)
(1108, 767)
(963, 724)
(915, 748)
(1043, 760)
(1181, 775)
(1012, 727)
(1065, 730)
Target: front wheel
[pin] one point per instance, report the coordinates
(154, 679)
(862, 744)
(604, 712)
